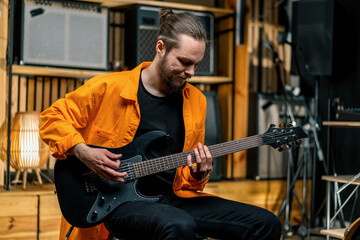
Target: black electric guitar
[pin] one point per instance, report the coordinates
(86, 199)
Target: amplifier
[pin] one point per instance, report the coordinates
(141, 29)
(61, 34)
(266, 162)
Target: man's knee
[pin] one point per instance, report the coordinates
(179, 228)
(271, 227)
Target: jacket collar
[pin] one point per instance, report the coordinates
(131, 88)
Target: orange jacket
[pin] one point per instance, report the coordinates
(105, 112)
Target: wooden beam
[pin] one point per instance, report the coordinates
(3, 88)
(3, 46)
(241, 100)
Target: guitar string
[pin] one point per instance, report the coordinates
(184, 155)
(158, 165)
(239, 141)
(161, 163)
(94, 177)
(155, 164)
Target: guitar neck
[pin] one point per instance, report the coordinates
(145, 168)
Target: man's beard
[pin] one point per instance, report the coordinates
(168, 79)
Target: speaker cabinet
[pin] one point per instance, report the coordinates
(61, 34)
(213, 131)
(141, 29)
(312, 32)
(266, 162)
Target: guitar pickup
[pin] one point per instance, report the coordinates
(89, 187)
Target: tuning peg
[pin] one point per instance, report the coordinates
(280, 149)
(272, 125)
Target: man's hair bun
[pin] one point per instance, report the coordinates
(163, 13)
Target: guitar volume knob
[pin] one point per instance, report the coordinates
(94, 215)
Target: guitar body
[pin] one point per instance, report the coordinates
(85, 198)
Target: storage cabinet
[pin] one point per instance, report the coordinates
(31, 214)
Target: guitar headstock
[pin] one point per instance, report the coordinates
(276, 137)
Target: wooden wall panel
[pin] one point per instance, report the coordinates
(22, 93)
(46, 93)
(31, 94)
(38, 93)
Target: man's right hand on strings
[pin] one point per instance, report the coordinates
(101, 161)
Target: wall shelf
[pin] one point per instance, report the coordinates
(348, 124)
(55, 71)
(218, 12)
(83, 73)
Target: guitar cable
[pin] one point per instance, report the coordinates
(69, 232)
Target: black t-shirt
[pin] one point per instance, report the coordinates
(165, 114)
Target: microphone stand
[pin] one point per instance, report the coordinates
(288, 199)
(314, 128)
(291, 180)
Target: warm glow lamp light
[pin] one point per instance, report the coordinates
(28, 151)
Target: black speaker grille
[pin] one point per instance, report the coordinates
(205, 64)
(147, 44)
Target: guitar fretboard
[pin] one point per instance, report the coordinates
(273, 137)
(160, 164)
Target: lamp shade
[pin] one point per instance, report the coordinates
(27, 150)
(3, 141)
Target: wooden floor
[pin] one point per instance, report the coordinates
(268, 194)
(34, 213)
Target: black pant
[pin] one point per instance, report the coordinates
(180, 218)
